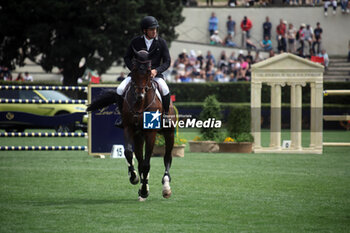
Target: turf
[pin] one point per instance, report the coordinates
(73, 192)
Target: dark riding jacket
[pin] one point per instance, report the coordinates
(160, 58)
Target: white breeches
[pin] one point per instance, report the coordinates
(162, 84)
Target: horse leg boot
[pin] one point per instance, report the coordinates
(133, 177)
(119, 122)
(166, 104)
(169, 142)
(144, 190)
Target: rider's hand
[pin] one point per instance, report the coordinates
(154, 73)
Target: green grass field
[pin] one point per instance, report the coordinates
(73, 192)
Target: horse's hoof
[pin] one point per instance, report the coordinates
(166, 187)
(141, 199)
(143, 193)
(167, 193)
(134, 179)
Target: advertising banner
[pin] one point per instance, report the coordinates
(103, 135)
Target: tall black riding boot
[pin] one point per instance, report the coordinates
(119, 122)
(166, 104)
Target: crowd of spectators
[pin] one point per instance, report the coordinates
(303, 41)
(194, 67)
(6, 75)
(344, 4)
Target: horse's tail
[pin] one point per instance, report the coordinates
(107, 98)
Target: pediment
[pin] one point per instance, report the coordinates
(287, 62)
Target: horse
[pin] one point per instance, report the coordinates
(140, 97)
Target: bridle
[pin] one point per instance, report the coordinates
(144, 67)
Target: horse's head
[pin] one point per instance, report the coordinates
(141, 73)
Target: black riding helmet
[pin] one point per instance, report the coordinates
(149, 22)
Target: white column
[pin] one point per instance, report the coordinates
(319, 115)
(255, 104)
(312, 114)
(275, 120)
(296, 115)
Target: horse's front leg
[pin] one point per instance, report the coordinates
(150, 137)
(144, 189)
(169, 144)
(128, 135)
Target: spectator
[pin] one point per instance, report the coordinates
(325, 57)
(249, 44)
(317, 38)
(291, 34)
(326, 5)
(249, 57)
(220, 77)
(232, 3)
(210, 57)
(308, 36)
(232, 62)
(121, 77)
(281, 36)
(266, 44)
(229, 41)
(300, 37)
(222, 64)
(243, 70)
(211, 2)
(231, 26)
(257, 57)
(271, 53)
(213, 24)
(200, 58)
(210, 70)
(267, 28)
(314, 1)
(233, 77)
(246, 25)
(215, 38)
(5, 74)
(344, 6)
(20, 77)
(28, 77)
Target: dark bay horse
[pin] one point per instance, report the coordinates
(140, 97)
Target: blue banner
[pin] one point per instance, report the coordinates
(102, 132)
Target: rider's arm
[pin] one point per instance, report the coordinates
(128, 57)
(165, 56)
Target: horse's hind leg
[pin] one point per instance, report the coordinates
(133, 177)
(169, 144)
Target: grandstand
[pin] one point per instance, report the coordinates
(193, 35)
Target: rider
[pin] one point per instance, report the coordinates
(149, 41)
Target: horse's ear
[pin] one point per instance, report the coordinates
(135, 51)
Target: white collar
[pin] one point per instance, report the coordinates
(148, 42)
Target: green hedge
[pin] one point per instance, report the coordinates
(240, 92)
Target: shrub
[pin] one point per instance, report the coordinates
(211, 109)
(238, 124)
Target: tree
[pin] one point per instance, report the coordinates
(59, 33)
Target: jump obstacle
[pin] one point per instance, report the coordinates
(277, 72)
(336, 117)
(287, 70)
(43, 134)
